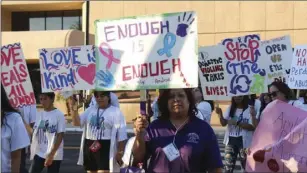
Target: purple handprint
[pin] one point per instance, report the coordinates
(184, 25)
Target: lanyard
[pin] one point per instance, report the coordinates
(177, 129)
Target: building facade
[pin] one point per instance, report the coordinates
(51, 24)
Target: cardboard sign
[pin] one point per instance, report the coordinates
(244, 68)
(212, 73)
(279, 142)
(15, 76)
(278, 58)
(298, 73)
(67, 69)
(147, 52)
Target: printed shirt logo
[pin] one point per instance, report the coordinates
(193, 138)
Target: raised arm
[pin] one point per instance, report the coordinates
(139, 147)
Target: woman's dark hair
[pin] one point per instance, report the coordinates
(51, 95)
(233, 106)
(283, 88)
(263, 104)
(211, 102)
(163, 103)
(105, 93)
(5, 105)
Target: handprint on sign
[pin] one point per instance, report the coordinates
(276, 58)
(184, 25)
(106, 78)
(258, 86)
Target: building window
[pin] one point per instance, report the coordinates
(47, 20)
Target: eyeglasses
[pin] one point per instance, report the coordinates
(273, 94)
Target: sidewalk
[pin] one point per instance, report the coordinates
(219, 130)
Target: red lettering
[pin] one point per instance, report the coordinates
(12, 54)
(299, 51)
(218, 90)
(144, 68)
(176, 63)
(136, 72)
(241, 53)
(229, 47)
(4, 79)
(23, 71)
(13, 77)
(164, 71)
(301, 62)
(125, 74)
(157, 69)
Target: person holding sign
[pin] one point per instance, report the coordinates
(177, 141)
(239, 130)
(204, 108)
(281, 91)
(104, 134)
(14, 136)
(47, 139)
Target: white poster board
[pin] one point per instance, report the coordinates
(147, 52)
(67, 69)
(15, 77)
(244, 65)
(277, 53)
(212, 74)
(298, 73)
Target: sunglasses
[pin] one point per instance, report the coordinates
(273, 94)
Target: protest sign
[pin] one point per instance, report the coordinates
(243, 62)
(278, 143)
(67, 69)
(298, 72)
(15, 76)
(277, 54)
(212, 73)
(147, 52)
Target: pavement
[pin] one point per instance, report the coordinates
(72, 141)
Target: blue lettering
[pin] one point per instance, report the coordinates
(58, 60)
(74, 56)
(91, 58)
(59, 81)
(235, 86)
(45, 62)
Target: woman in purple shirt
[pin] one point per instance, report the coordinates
(177, 141)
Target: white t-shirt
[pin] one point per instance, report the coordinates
(114, 100)
(28, 113)
(47, 125)
(100, 128)
(14, 136)
(128, 151)
(235, 131)
(204, 111)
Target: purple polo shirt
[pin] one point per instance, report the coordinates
(196, 141)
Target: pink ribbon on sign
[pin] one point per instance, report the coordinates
(108, 54)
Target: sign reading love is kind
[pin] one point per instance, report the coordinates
(147, 52)
(277, 54)
(298, 72)
(15, 76)
(244, 65)
(67, 69)
(279, 142)
(212, 73)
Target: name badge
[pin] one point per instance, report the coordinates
(171, 152)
